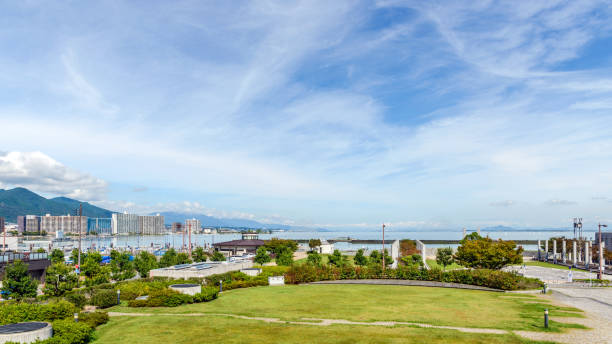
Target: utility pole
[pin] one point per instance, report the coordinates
(80, 215)
(4, 243)
(189, 240)
(600, 274)
(383, 246)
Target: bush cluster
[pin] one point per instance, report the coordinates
(235, 280)
(104, 298)
(172, 298)
(480, 277)
(17, 312)
(94, 319)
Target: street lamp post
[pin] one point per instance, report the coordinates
(600, 274)
(383, 246)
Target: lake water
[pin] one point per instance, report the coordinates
(176, 240)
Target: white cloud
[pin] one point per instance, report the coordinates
(41, 173)
(506, 203)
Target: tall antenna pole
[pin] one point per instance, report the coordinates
(383, 246)
(189, 239)
(80, 214)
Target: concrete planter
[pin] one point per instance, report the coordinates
(276, 280)
(189, 289)
(28, 332)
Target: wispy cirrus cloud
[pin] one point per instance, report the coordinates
(321, 112)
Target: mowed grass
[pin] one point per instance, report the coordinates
(217, 329)
(433, 264)
(549, 265)
(369, 303)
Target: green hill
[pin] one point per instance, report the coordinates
(21, 201)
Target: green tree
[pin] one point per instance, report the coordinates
(376, 258)
(41, 250)
(59, 279)
(277, 246)
(183, 258)
(144, 263)
(412, 260)
(285, 258)
(314, 258)
(360, 259)
(121, 266)
(337, 259)
(199, 255)
(93, 272)
(262, 256)
(314, 243)
(168, 259)
(17, 283)
(217, 257)
(57, 256)
(484, 253)
(444, 257)
(74, 256)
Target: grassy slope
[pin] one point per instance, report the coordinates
(438, 306)
(214, 329)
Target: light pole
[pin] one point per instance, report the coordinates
(600, 274)
(383, 246)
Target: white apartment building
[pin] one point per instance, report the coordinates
(151, 224)
(193, 225)
(125, 223)
(67, 224)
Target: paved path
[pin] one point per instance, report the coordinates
(553, 276)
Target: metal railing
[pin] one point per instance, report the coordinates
(8, 257)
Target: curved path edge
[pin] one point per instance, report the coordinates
(409, 283)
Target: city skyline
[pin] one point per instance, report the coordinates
(322, 114)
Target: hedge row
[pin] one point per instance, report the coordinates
(16, 312)
(172, 298)
(481, 277)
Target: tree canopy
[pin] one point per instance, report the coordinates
(17, 283)
(478, 252)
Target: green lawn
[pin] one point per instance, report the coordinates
(433, 264)
(436, 306)
(549, 265)
(218, 329)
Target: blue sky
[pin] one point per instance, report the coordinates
(341, 114)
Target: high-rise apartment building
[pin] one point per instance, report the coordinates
(99, 226)
(177, 227)
(65, 223)
(2, 225)
(193, 225)
(125, 223)
(21, 224)
(151, 224)
(32, 224)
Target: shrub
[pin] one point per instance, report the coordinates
(77, 299)
(138, 303)
(481, 277)
(69, 332)
(11, 313)
(94, 319)
(104, 298)
(207, 294)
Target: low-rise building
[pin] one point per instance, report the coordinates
(248, 244)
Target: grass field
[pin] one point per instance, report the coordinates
(436, 306)
(549, 265)
(217, 329)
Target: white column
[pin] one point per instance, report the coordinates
(586, 252)
(564, 252)
(546, 249)
(555, 249)
(574, 252)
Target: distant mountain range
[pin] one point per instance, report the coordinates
(21, 201)
(209, 221)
